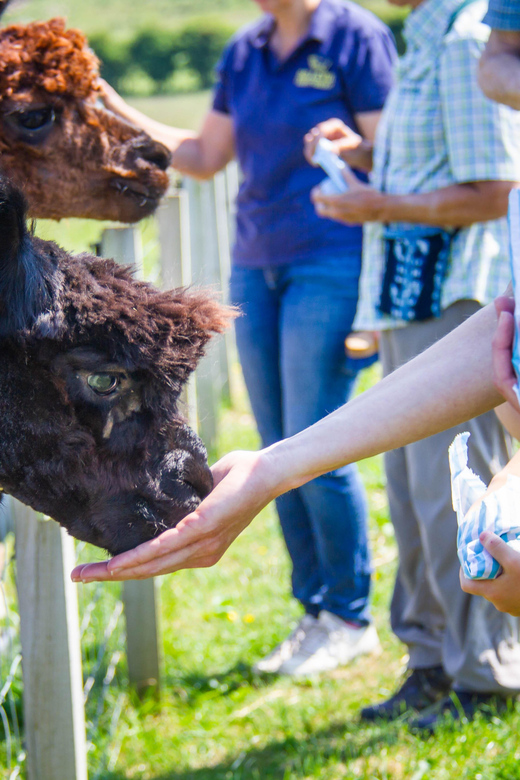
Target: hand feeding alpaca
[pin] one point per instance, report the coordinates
(70, 155)
(92, 366)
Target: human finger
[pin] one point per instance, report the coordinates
(504, 377)
(501, 552)
(474, 587)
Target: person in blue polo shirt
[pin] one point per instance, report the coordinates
(295, 279)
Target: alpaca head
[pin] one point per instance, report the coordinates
(70, 155)
(92, 365)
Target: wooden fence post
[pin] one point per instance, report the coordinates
(140, 598)
(51, 656)
(173, 219)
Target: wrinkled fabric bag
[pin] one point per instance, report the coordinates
(499, 512)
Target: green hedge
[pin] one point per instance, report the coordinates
(152, 57)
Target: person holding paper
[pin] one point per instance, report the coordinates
(435, 249)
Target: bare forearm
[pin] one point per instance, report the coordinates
(499, 78)
(446, 385)
(499, 68)
(458, 205)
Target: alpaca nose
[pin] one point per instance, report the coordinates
(153, 152)
(189, 470)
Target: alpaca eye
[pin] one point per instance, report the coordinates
(103, 384)
(31, 126)
(35, 119)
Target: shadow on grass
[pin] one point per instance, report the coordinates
(340, 742)
(200, 686)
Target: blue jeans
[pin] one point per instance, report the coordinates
(291, 344)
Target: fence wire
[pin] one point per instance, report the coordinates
(12, 755)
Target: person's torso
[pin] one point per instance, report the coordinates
(273, 105)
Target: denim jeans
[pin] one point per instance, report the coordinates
(291, 345)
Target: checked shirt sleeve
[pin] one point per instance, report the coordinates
(482, 136)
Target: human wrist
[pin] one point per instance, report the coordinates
(279, 468)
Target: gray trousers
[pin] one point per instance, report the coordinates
(441, 625)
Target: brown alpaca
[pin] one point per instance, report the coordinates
(92, 365)
(71, 156)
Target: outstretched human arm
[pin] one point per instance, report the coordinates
(449, 383)
(199, 154)
(499, 67)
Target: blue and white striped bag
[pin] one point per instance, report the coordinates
(498, 512)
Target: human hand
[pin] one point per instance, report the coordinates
(350, 146)
(361, 203)
(504, 591)
(504, 377)
(244, 484)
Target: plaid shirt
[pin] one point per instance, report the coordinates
(438, 129)
(503, 15)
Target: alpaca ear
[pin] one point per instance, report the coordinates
(24, 294)
(205, 317)
(3, 6)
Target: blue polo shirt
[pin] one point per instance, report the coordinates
(342, 67)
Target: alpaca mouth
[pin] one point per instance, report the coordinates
(143, 196)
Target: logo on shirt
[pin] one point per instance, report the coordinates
(318, 74)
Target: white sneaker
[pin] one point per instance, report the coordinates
(284, 651)
(329, 643)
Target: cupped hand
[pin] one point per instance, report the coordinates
(504, 591)
(243, 486)
(361, 203)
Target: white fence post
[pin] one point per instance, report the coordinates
(140, 598)
(51, 655)
(173, 219)
(212, 376)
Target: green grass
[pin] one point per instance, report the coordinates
(122, 17)
(186, 110)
